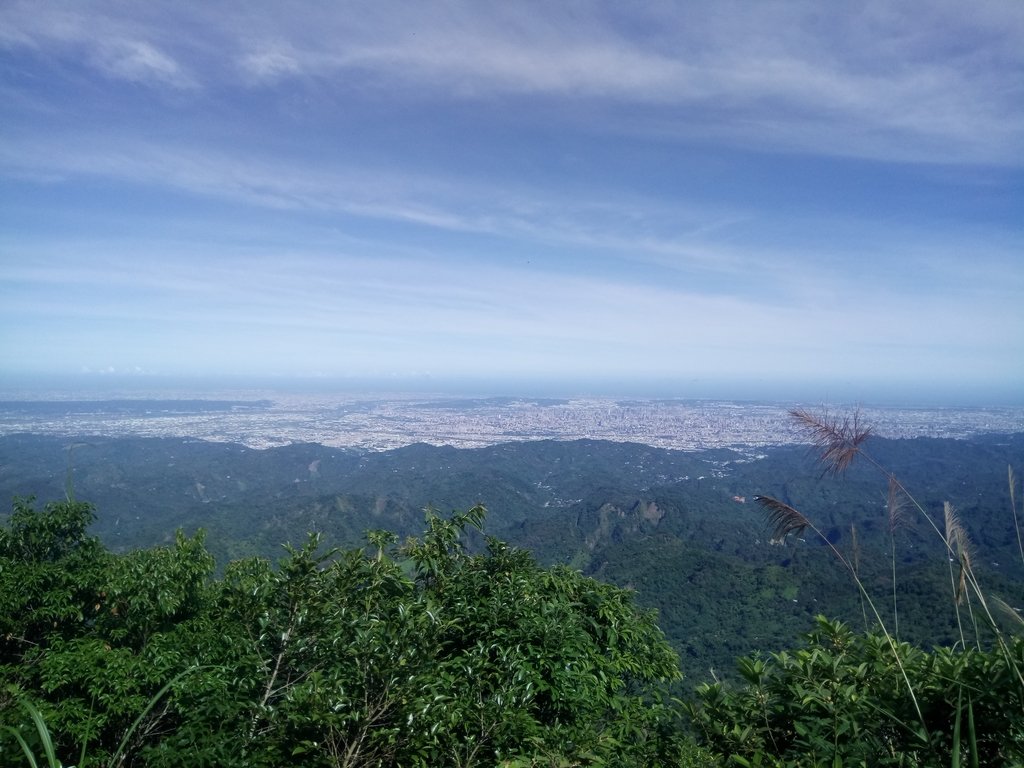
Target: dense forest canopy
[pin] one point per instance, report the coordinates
(679, 528)
(424, 654)
(447, 645)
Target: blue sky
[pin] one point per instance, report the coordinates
(828, 194)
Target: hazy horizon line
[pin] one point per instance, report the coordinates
(828, 393)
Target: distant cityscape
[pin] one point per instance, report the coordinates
(267, 419)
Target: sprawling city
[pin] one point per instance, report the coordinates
(267, 419)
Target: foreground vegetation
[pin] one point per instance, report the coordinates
(870, 699)
(430, 652)
(416, 655)
(842, 700)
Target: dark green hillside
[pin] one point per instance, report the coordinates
(145, 488)
(679, 528)
(457, 644)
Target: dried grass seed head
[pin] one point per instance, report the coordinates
(836, 440)
(781, 517)
(895, 505)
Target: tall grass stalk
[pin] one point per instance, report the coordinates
(838, 442)
(895, 504)
(1013, 508)
(953, 534)
(786, 520)
(856, 569)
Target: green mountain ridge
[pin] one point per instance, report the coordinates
(680, 528)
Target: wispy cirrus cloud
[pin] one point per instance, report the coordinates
(554, 185)
(874, 80)
(444, 315)
(119, 47)
(723, 248)
(140, 62)
(929, 80)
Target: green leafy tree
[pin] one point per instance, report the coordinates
(419, 654)
(50, 572)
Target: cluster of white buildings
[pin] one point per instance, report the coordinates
(381, 424)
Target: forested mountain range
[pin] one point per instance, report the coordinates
(681, 528)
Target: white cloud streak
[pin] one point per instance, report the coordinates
(140, 62)
(637, 231)
(453, 267)
(927, 80)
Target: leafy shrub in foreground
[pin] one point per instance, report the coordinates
(422, 654)
(842, 701)
(870, 699)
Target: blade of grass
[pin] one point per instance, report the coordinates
(118, 754)
(24, 746)
(972, 736)
(44, 735)
(954, 754)
(1013, 508)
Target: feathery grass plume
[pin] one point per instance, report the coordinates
(962, 550)
(782, 518)
(837, 440)
(1008, 611)
(961, 547)
(895, 505)
(960, 544)
(956, 543)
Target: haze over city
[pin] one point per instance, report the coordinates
(776, 200)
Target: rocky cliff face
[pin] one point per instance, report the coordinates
(614, 521)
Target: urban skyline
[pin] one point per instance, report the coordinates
(266, 419)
